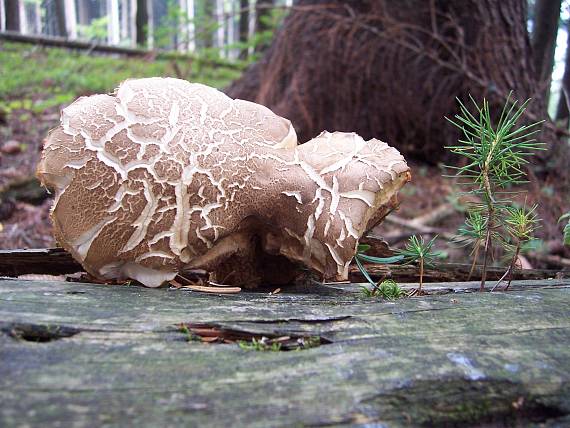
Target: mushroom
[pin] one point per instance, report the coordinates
(165, 176)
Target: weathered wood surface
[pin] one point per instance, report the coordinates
(74, 354)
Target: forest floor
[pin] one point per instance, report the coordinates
(36, 83)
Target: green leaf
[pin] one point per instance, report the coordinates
(364, 272)
(383, 260)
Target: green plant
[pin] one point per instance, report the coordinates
(263, 344)
(96, 30)
(37, 80)
(190, 336)
(496, 156)
(360, 257)
(387, 289)
(566, 228)
(520, 224)
(472, 233)
(421, 252)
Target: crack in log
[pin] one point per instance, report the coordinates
(291, 320)
(273, 341)
(37, 333)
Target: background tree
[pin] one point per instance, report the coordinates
(61, 27)
(263, 10)
(392, 70)
(545, 29)
(243, 27)
(142, 22)
(562, 110)
(12, 11)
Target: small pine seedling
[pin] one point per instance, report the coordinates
(421, 252)
(472, 233)
(566, 228)
(496, 156)
(520, 224)
(361, 257)
(387, 289)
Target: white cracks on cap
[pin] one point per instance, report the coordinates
(142, 222)
(83, 243)
(181, 225)
(180, 167)
(294, 193)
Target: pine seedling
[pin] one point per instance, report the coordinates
(421, 252)
(566, 231)
(472, 233)
(361, 257)
(387, 289)
(496, 156)
(520, 224)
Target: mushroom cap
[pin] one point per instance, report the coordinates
(165, 174)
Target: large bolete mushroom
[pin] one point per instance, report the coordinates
(166, 175)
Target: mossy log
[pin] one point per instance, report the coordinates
(77, 354)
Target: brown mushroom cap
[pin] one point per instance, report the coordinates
(166, 175)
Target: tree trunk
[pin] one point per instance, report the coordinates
(142, 23)
(12, 13)
(244, 28)
(2, 16)
(83, 12)
(113, 23)
(70, 18)
(562, 111)
(392, 70)
(219, 25)
(545, 29)
(262, 17)
(205, 23)
(60, 18)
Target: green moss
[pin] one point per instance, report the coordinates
(51, 76)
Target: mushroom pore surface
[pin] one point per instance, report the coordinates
(166, 175)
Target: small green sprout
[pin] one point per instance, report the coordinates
(566, 228)
(360, 257)
(387, 289)
(190, 336)
(496, 156)
(262, 345)
(421, 252)
(472, 233)
(520, 224)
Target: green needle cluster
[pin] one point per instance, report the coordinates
(417, 250)
(495, 155)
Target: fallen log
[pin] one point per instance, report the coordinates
(78, 354)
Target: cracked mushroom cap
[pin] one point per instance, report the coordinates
(166, 175)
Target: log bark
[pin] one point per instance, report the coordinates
(56, 261)
(82, 355)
